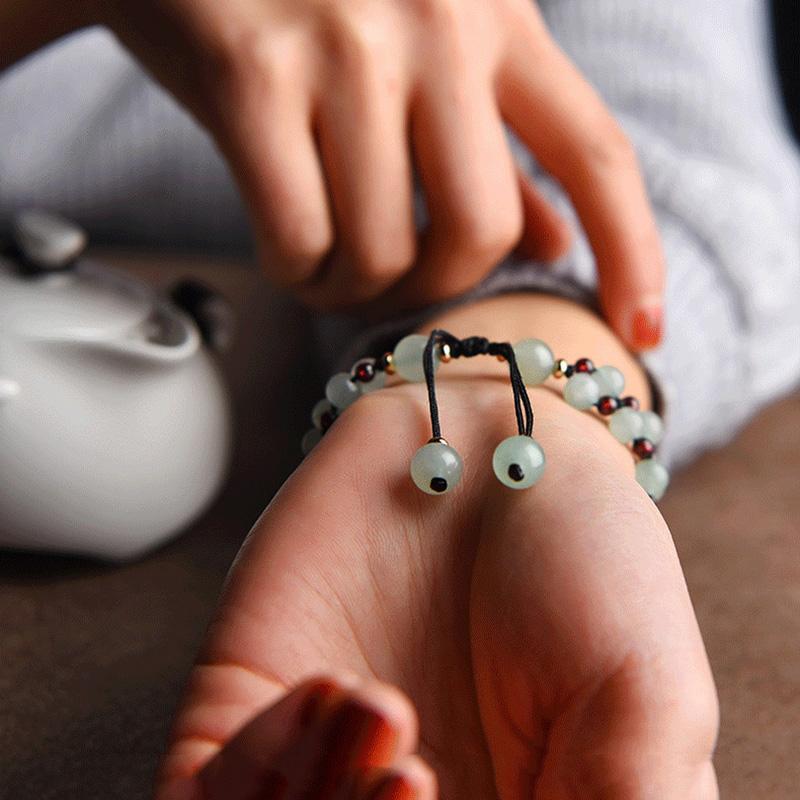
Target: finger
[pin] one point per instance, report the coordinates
(365, 152)
(561, 119)
(337, 736)
(316, 737)
(471, 189)
(410, 779)
(196, 744)
(546, 235)
(264, 129)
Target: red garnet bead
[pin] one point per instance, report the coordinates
(643, 448)
(630, 402)
(607, 405)
(326, 420)
(364, 371)
(584, 365)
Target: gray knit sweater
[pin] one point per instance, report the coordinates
(83, 131)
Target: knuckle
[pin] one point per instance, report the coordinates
(490, 231)
(300, 241)
(610, 148)
(352, 40)
(245, 58)
(379, 262)
(440, 13)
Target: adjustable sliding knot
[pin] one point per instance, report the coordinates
(473, 346)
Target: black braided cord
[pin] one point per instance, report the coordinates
(468, 348)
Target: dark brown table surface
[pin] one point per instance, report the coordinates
(92, 656)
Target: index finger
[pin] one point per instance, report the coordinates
(565, 124)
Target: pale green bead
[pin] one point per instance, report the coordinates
(407, 357)
(581, 391)
(610, 380)
(626, 425)
(535, 361)
(377, 382)
(322, 408)
(653, 477)
(518, 462)
(653, 427)
(310, 440)
(341, 391)
(436, 468)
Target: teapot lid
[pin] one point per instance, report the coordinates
(45, 293)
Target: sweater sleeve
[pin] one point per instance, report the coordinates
(693, 86)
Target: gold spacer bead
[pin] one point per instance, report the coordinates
(389, 359)
(438, 440)
(445, 353)
(501, 358)
(560, 367)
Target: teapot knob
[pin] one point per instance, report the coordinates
(210, 311)
(47, 242)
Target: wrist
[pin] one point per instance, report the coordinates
(571, 330)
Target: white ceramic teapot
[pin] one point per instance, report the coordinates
(114, 423)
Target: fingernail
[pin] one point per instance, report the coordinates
(395, 787)
(357, 737)
(648, 323)
(313, 709)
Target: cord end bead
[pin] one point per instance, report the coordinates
(436, 467)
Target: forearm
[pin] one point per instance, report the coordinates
(27, 25)
(571, 330)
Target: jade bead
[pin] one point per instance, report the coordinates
(610, 380)
(407, 357)
(518, 462)
(310, 440)
(436, 468)
(652, 426)
(341, 391)
(653, 477)
(581, 391)
(626, 425)
(535, 361)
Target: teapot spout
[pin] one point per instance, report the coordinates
(166, 337)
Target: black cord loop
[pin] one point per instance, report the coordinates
(468, 348)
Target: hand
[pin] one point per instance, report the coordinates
(323, 110)
(545, 636)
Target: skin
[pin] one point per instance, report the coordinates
(541, 642)
(325, 110)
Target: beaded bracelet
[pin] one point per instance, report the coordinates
(519, 460)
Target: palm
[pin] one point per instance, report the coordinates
(517, 623)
